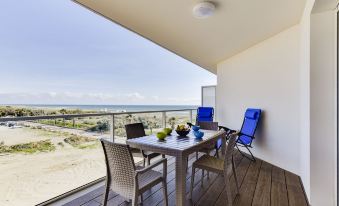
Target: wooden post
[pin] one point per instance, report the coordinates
(164, 119)
(73, 122)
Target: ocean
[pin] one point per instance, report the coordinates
(109, 108)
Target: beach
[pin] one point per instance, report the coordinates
(29, 179)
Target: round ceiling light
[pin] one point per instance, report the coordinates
(203, 10)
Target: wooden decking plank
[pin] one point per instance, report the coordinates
(157, 197)
(247, 188)
(92, 203)
(110, 196)
(295, 192)
(241, 171)
(86, 198)
(285, 187)
(278, 190)
(213, 193)
(262, 194)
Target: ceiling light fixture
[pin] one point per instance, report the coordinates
(203, 10)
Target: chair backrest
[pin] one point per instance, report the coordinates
(120, 168)
(208, 125)
(205, 114)
(135, 130)
(249, 126)
(229, 153)
(211, 126)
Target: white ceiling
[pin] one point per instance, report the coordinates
(235, 26)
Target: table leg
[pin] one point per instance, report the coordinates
(180, 180)
(223, 145)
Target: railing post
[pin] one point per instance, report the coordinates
(112, 127)
(164, 119)
(191, 118)
(73, 122)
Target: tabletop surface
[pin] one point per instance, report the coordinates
(175, 142)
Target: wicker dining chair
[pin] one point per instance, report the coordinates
(224, 167)
(209, 148)
(137, 130)
(127, 180)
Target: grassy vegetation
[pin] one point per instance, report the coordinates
(31, 147)
(23, 111)
(81, 142)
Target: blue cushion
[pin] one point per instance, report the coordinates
(251, 114)
(204, 114)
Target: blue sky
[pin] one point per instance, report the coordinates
(57, 52)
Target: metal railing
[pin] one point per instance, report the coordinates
(111, 114)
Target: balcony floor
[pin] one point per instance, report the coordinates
(260, 184)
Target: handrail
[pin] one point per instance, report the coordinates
(26, 118)
(111, 114)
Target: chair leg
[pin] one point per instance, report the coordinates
(135, 199)
(192, 181)
(228, 190)
(202, 178)
(142, 198)
(164, 189)
(187, 164)
(217, 152)
(196, 155)
(144, 162)
(104, 202)
(148, 161)
(252, 158)
(229, 195)
(235, 175)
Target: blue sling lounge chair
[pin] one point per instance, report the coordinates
(248, 128)
(206, 114)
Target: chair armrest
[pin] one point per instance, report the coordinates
(227, 130)
(151, 166)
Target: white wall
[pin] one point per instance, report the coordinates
(292, 77)
(305, 96)
(323, 109)
(266, 76)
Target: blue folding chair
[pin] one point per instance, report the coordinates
(206, 114)
(248, 128)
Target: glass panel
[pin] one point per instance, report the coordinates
(43, 159)
(208, 96)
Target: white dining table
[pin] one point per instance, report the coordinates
(180, 148)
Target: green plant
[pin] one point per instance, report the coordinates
(31, 147)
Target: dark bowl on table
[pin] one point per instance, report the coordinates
(183, 133)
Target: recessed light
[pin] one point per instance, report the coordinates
(203, 10)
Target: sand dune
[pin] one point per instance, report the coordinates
(29, 179)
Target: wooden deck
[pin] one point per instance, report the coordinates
(260, 184)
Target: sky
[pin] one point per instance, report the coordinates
(57, 52)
